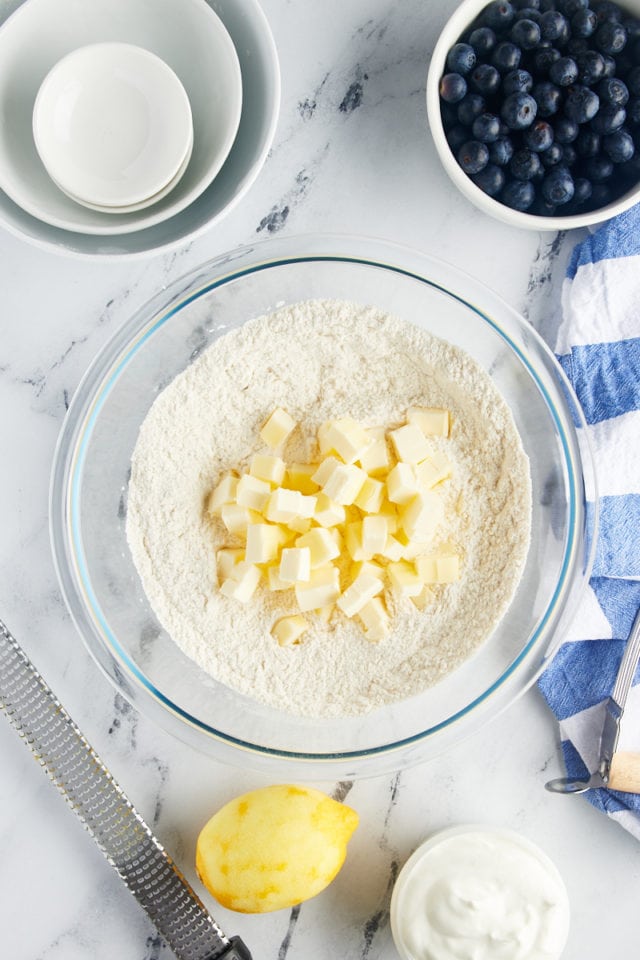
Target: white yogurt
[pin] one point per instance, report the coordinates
(479, 893)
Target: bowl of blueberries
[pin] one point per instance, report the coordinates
(534, 107)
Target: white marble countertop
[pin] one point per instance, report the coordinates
(352, 154)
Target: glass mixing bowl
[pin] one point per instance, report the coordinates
(89, 503)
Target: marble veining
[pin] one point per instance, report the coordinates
(352, 154)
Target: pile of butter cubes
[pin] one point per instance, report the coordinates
(359, 509)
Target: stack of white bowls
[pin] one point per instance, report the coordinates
(134, 128)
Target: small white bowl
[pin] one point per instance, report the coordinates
(465, 13)
(112, 125)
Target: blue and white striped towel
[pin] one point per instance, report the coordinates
(599, 348)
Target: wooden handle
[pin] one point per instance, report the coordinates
(625, 772)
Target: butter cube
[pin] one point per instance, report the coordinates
(324, 470)
(363, 589)
(344, 483)
(274, 581)
(328, 513)
(298, 477)
(374, 534)
(371, 567)
(390, 511)
(427, 568)
(284, 505)
(277, 428)
(422, 515)
(269, 468)
(224, 492)
(432, 421)
(448, 569)
(371, 496)
(348, 438)
(374, 459)
(288, 630)
(299, 525)
(227, 558)
(324, 445)
(236, 518)
(252, 492)
(324, 613)
(353, 541)
(243, 582)
(295, 564)
(375, 620)
(263, 543)
(401, 483)
(404, 578)
(410, 443)
(433, 470)
(424, 598)
(322, 589)
(321, 544)
(393, 549)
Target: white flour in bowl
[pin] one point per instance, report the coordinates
(321, 360)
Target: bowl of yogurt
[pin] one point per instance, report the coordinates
(479, 892)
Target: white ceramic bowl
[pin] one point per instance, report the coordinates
(38, 34)
(465, 13)
(112, 125)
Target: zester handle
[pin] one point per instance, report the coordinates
(116, 826)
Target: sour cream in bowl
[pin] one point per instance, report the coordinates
(479, 893)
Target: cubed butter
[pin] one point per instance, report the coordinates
(401, 483)
(353, 541)
(448, 569)
(237, 519)
(410, 443)
(227, 558)
(298, 477)
(242, 583)
(424, 598)
(324, 445)
(371, 496)
(422, 516)
(436, 468)
(321, 545)
(324, 470)
(344, 483)
(224, 492)
(328, 513)
(277, 428)
(274, 581)
(393, 549)
(374, 459)
(363, 589)
(264, 541)
(374, 535)
(404, 578)
(295, 564)
(323, 589)
(348, 438)
(288, 630)
(372, 567)
(269, 468)
(375, 620)
(284, 505)
(252, 492)
(432, 421)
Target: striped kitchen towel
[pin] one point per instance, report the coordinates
(598, 347)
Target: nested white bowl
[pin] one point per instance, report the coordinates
(89, 504)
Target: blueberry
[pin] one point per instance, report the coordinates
(569, 155)
(501, 151)
(571, 7)
(590, 66)
(552, 155)
(618, 146)
(610, 66)
(539, 136)
(498, 16)
(527, 13)
(518, 194)
(456, 136)
(553, 26)
(519, 111)
(483, 40)
(525, 5)
(469, 108)
(633, 112)
(613, 90)
(600, 195)
(598, 169)
(524, 165)
(517, 81)
(633, 82)
(525, 34)
(548, 98)
(609, 118)
(473, 156)
(486, 128)
(558, 186)
(490, 180)
(583, 189)
(588, 143)
(583, 23)
(506, 57)
(485, 79)
(565, 130)
(461, 59)
(544, 58)
(563, 72)
(611, 37)
(581, 104)
(606, 10)
(453, 87)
